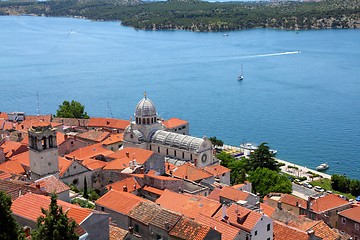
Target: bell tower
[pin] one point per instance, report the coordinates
(43, 152)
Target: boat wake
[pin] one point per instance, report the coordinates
(274, 54)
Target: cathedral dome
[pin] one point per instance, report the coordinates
(145, 108)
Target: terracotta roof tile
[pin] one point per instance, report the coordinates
(124, 156)
(189, 229)
(8, 125)
(20, 207)
(165, 219)
(144, 212)
(130, 183)
(108, 123)
(17, 188)
(248, 217)
(216, 170)
(94, 135)
(93, 164)
(188, 171)
(12, 148)
(113, 138)
(5, 176)
(352, 213)
(12, 167)
(89, 152)
(117, 233)
(323, 231)
(60, 138)
(153, 190)
(64, 164)
(4, 115)
(189, 205)
(292, 200)
(227, 231)
(51, 184)
(285, 232)
(215, 194)
(327, 202)
(174, 122)
(41, 118)
(233, 194)
(266, 209)
(117, 201)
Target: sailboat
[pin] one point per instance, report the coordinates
(241, 76)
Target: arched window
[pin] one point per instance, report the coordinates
(147, 120)
(43, 143)
(167, 151)
(143, 121)
(183, 155)
(51, 141)
(175, 153)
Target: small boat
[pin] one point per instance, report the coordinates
(322, 167)
(225, 34)
(251, 147)
(241, 76)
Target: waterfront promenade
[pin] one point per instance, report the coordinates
(288, 167)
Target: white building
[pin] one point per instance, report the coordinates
(148, 132)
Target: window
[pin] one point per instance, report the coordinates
(174, 153)
(268, 239)
(255, 233)
(356, 226)
(136, 228)
(343, 220)
(158, 149)
(102, 209)
(356, 238)
(268, 227)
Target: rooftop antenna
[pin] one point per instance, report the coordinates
(38, 103)
(109, 110)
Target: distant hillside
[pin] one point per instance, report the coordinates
(200, 16)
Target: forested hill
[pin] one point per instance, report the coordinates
(200, 16)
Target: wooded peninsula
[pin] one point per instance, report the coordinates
(197, 15)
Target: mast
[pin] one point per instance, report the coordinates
(109, 110)
(38, 103)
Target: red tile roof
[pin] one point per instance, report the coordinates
(94, 135)
(8, 126)
(124, 156)
(4, 115)
(327, 202)
(64, 164)
(174, 122)
(22, 158)
(215, 194)
(266, 209)
(12, 148)
(42, 118)
(144, 212)
(113, 138)
(108, 123)
(117, 233)
(189, 229)
(12, 167)
(153, 190)
(233, 194)
(227, 231)
(323, 231)
(121, 202)
(24, 126)
(93, 164)
(285, 232)
(29, 206)
(216, 170)
(189, 205)
(130, 183)
(188, 171)
(292, 200)
(17, 188)
(248, 217)
(89, 152)
(51, 184)
(352, 213)
(5, 176)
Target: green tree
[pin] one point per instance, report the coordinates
(216, 142)
(238, 171)
(71, 109)
(85, 195)
(9, 229)
(54, 225)
(265, 181)
(262, 157)
(355, 187)
(340, 183)
(225, 158)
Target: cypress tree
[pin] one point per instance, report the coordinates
(86, 195)
(9, 229)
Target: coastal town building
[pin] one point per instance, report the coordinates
(147, 131)
(286, 202)
(176, 125)
(349, 222)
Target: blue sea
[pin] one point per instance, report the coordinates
(300, 93)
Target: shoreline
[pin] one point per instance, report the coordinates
(301, 171)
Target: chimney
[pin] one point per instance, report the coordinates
(128, 154)
(223, 213)
(311, 234)
(37, 185)
(166, 225)
(125, 188)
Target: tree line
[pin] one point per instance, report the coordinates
(199, 15)
(344, 184)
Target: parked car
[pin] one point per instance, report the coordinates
(297, 181)
(308, 185)
(343, 197)
(319, 189)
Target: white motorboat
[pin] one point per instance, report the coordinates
(322, 167)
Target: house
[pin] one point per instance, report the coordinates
(117, 233)
(192, 173)
(93, 136)
(163, 222)
(16, 189)
(283, 231)
(51, 184)
(187, 204)
(118, 205)
(220, 173)
(128, 184)
(253, 225)
(68, 143)
(27, 208)
(349, 222)
(227, 231)
(286, 202)
(112, 125)
(176, 125)
(94, 151)
(114, 142)
(325, 208)
(11, 148)
(229, 195)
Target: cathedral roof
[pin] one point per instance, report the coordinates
(145, 108)
(177, 140)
